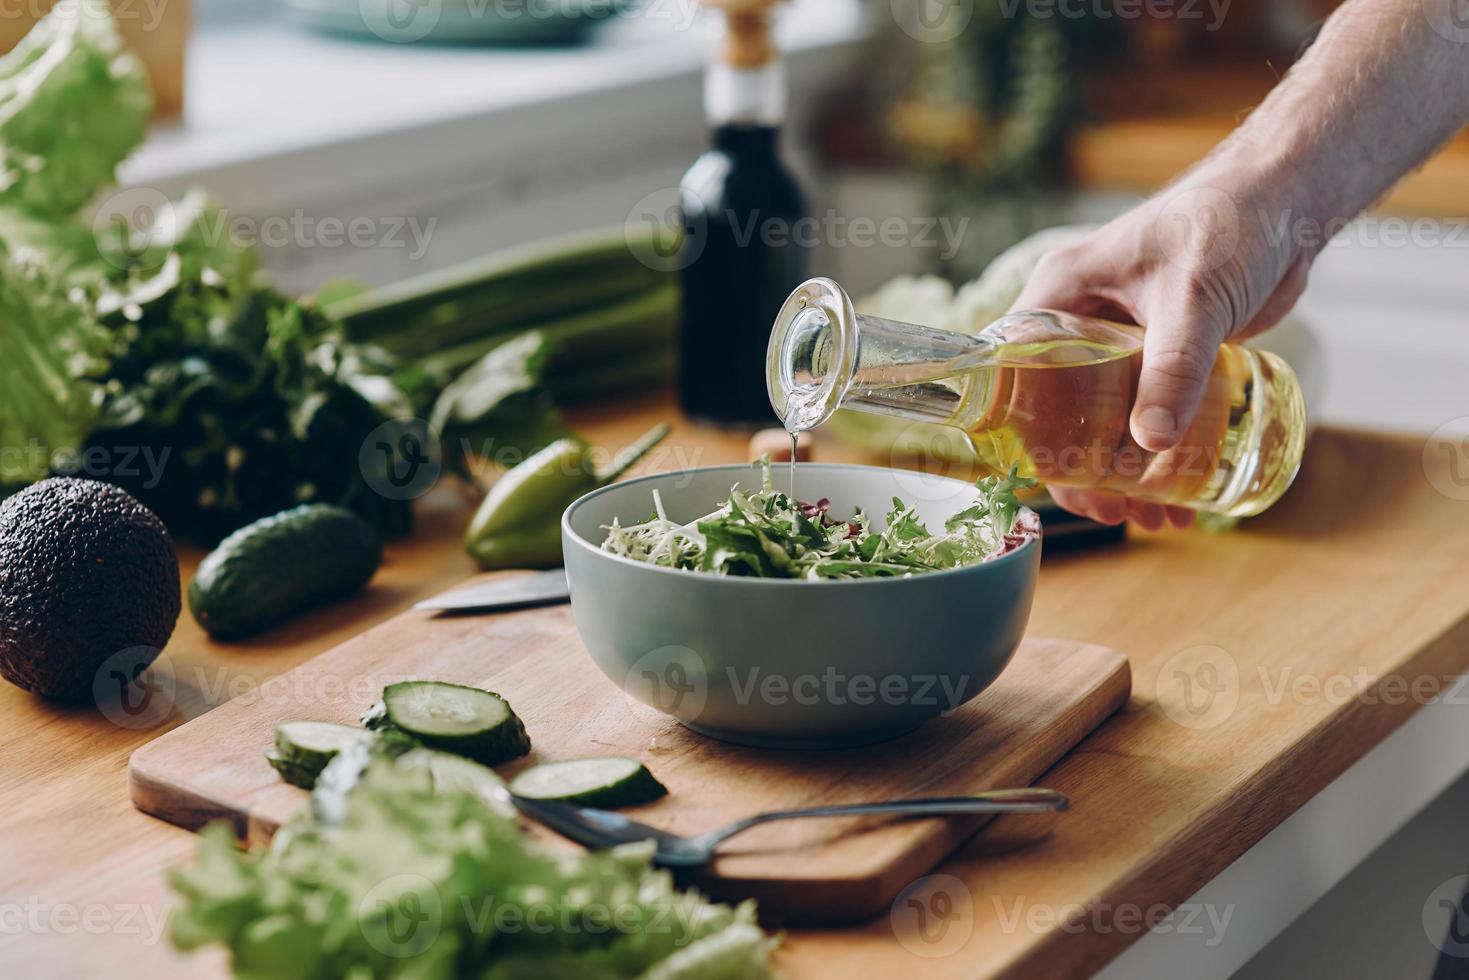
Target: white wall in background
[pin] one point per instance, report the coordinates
(482, 147)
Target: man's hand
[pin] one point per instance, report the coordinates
(1218, 255)
(1193, 264)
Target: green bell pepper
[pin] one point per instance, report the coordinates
(518, 525)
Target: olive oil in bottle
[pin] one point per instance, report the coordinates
(1047, 393)
(741, 252)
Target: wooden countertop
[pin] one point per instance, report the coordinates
(1265, 662)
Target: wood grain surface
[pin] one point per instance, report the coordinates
(1311, 625)
(1052, 695)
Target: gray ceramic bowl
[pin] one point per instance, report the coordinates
(794, 664)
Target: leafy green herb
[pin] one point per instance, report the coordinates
(138, 347)
(765, 534)
(413, 881)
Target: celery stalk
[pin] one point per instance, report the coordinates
(649, 319)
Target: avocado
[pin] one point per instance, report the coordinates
(85, 572)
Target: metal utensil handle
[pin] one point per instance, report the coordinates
(1029, 800)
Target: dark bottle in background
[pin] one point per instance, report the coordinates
(743, 249)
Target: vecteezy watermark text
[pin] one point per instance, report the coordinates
(148, 14)
(834, 687)
(37, 917)
(1207, 921)
(144, 464)
(146, 216)
(660, 237)
(1212, 11)
(1367, 231)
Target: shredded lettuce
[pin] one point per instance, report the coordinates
(50, 350)
(73, 104)
(766, 534)
(410, 882)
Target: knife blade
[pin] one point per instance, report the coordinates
(539, 589)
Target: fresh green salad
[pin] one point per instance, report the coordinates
(412, 878)
(765, 534)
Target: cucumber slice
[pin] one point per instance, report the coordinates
(605, 782)
(312, 744)
(454, 772)
(464, 720)
(292, 773)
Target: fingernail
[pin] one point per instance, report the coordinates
(1159, 421)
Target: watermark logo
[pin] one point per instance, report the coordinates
(400, 459)
(401, 21)
(132, 221)
(1198, 228)
(932, 21)
(1449, 19)
(930, 478)
(1199, 686)
(401, 916)
(658, 236)
(933, 917)
(673, 680)
(1446, 917)
(135, 688)
(1446, 459)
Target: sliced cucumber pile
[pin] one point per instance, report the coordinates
(603, 782)
(303, 748)
(463, 720)
(454, 772)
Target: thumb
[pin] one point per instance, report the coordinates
(1179, 349)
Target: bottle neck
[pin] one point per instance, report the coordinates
(745, 97)
(747, 142)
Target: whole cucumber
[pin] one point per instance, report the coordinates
(282, 565)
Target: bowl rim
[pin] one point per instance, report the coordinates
(568, 533)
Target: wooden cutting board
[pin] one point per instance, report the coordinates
(1052, 695)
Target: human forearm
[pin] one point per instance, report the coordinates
(1383, 86)
(1225, 251)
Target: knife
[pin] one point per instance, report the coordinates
(540, 589)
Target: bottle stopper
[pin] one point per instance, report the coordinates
(747, 42)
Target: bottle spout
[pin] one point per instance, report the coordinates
(823, 355)
(812, 357)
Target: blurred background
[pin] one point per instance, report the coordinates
(486, 123)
